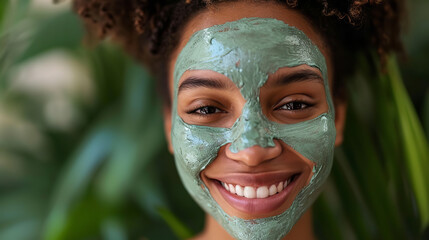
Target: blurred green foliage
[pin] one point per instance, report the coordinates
(88, 159)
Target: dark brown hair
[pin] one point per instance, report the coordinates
(149, 30)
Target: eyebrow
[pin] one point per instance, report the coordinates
(197, 82)
(214, 83)
(298, 76)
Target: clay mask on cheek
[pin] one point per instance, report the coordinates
(247, 51)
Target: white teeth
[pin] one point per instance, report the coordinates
(239, 190)
(280, 187)
(249, 192)
(273, 190)
(262, 192)
(231, 188)
(259, 192)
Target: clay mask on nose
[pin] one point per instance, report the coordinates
(247, 51)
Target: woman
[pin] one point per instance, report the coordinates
(249, 114)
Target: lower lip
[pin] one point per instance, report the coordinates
(256, 205)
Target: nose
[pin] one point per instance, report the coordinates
(255, 155)
(251, 129)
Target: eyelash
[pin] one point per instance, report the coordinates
(303, 105)
(195, 111)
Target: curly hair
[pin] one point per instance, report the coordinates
(149, 30)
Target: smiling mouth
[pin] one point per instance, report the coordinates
(260, 191)
(259, 199)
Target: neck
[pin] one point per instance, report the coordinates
(303, 229)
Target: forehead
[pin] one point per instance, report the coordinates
(248, 50)
(229, 11)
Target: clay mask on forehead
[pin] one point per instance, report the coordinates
(247, 51)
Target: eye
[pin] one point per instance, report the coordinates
(206, 110)
(294, 106)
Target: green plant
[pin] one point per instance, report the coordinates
(106, 172)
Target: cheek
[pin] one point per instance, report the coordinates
(196, 146)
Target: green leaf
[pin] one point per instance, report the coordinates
(13, 13)
(426, 113)
(113, 230)
(350, 197)
(62, 31)
(148, 192)
(326, 221)
(22, 230)
(129, 157)
(368, 170)
(108, 66)
(139, 140)
(414, 140)
(181, 231)
(3, 7)
(77, 175)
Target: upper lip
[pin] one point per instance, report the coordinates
(255, 179)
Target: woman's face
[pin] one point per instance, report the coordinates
(253, 124)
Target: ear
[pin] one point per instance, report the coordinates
(340, 120)
(167, 127)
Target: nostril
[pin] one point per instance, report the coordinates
(249, 140)
(254, 155)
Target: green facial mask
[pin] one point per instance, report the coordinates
(261, 46)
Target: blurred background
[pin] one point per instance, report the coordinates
(83, 153)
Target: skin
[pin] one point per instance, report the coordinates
(228, 103)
